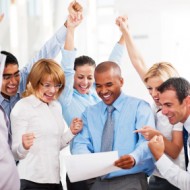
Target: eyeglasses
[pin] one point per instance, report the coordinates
(48, 86)
(9, 76)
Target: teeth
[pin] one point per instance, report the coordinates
(11, 86)
(84, 87)
(49, 95)
(106, 96)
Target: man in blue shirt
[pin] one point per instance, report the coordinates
(130, 114)
(79, 91)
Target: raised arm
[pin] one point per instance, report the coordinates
(134, 54)
(49, 50)
(67, 61)
(117, 51)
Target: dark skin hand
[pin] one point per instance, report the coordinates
(125, 162)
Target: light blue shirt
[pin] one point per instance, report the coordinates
(50, 50)
(73, 103)
(130, 114)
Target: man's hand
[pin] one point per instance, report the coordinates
(73, 23)
(75, 10)
(148, 132)
(125, 162)
(156, 145)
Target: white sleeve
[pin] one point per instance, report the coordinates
(19, 124)
(173, 173)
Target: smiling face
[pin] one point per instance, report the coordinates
(172, 108)
(84, 78)
(11, 80)
(108, 85)
(47, 90)
(152, 85)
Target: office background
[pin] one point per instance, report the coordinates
(160, 29)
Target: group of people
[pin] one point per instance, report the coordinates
(38, 102)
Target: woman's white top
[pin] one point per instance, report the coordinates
(40, 163)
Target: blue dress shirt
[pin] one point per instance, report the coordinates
(50, 50)
(130, 114)
(73, 103)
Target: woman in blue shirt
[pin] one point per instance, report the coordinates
(79, 92)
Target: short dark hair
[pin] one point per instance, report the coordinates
(107, 65)
(180, 85)
(84, 60)
(10, 59)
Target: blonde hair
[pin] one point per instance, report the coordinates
(41, 70)
(163, 70)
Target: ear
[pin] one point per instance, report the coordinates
(187, 101)
(121, 81)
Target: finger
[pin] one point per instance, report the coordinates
(154, 139)
(160, 139)
(138, 131)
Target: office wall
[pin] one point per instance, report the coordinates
(160, 30)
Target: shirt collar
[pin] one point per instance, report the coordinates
(37, 102)
(118, 103)
(187, 125)
(12, 98)
(84, 95)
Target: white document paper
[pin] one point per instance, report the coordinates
(86, 166)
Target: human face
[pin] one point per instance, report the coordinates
(48, 90)
(108, 86)
(172, 108)
(11, 80)
(84, 78)
(152, 86)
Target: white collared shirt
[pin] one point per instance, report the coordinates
(171, 171)
(40, 164)
(164, 126)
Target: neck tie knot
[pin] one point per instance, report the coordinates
(110, 109)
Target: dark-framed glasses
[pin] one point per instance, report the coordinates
(48, 86)
(10, 76)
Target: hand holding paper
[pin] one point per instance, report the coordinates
(86, 166)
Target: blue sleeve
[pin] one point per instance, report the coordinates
(117, 53)
(82, 144)
(50, 50)
(142, 152)
(67, 63)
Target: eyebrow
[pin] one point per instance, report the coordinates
(8, 74)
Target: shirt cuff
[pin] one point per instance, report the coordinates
(22, 152)
(163, 164)
(69, 136)
(117, 53)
